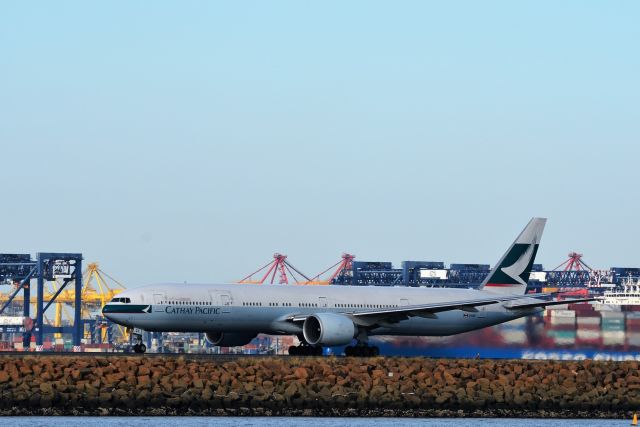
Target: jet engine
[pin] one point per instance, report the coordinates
(229, 339)
(328, 329)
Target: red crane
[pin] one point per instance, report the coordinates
(574, 263)
(280, 267)
(344, 265)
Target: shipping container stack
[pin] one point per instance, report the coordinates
(588, 333)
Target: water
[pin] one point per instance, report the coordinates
(296, 421)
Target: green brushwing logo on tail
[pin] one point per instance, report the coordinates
(515, 268)
(512, 272)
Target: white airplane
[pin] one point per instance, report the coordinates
(325, 316)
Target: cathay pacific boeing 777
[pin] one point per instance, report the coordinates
(325, 316)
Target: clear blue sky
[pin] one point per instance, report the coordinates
(191, 140)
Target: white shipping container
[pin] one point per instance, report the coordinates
(12, 320)
(514, 336)
(633, 338)
(540, 276)
(559, 320)
(605, 308)
(612, 315)
(588, 321)
(562, 313)
(556, 308)
(613, 337)
(426, 273)
(588, 334)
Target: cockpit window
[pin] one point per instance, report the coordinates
(122, 300)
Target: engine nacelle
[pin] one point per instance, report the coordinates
(229, 339)
(328, 329)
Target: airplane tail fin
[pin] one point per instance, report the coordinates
(511, 274)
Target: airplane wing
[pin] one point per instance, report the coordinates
(394, 315)
(547, 303)
(388, 316)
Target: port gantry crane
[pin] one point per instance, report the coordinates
(287, 273)
(340, 269)
(279, 267)
(98, 288)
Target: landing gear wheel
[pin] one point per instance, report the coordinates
(361, 351)
(138, 347)
(305, 350)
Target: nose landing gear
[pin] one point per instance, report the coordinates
(139, 346)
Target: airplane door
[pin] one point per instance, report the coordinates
(404, 302)
(482, 312)
(157, 300)
(225, 302)
(222, 299)
(322, 302)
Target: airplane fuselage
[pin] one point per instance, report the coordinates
(243, 308)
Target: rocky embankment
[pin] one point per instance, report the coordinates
(68, 385)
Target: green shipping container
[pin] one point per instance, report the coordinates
(612, 326)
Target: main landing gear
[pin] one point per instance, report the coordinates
(362, 348)
(361, 351)
(305, 350)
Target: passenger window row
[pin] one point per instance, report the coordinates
(310, 304)
(366, 305)
(271, 304)
(186, 302)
